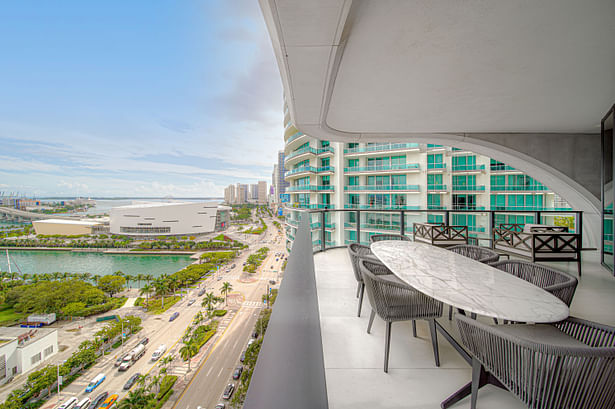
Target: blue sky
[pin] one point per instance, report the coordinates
(136, 98)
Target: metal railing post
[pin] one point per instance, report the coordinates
(358, 217)
(579, 227)
(402, 228)
(323, 234)
(537, 216)
(491, 227)
(446, 218)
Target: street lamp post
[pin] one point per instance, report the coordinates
(59, 379)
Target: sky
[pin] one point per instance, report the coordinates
(136, 98)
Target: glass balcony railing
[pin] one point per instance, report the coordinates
(325, 169)
(374, 226)
(294, 136)
(302, 169)
(378, 168)
(439, 187)
(309, 149)
(311, 188)
(436, 166)
(359, 188)
(504, 209)
(518, 188)
(468, 207)
(501, 167)
(383, 147)
(468, 188)
(380, 207)
(466, 168)
(436, 207)
(311, 206)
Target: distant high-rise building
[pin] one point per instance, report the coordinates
(261, 192)
(282, 184)
(229, 194)
(253, 192)
(241, 193)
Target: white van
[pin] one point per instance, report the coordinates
(69, 403)
(159, 352)
(84, 404)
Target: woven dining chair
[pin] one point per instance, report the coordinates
(357, 252)
(388, 236)
(567, 365)
(558, 283)
(394, 301)
(482, 254)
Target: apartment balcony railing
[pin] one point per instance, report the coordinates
(380, 148)
(436, 207)
(470, 207)
(380, 207)
(374, 226)
(309, 149)
(436, 166)
(296, 135)
(302, 169)
(324, 169)
(382, 168)
(311, 206)
(503, 168)
(362, 188)
(468, 188)
(435, 187)
(518, 188)
(508, 209)
(467, 168)
(310, 188)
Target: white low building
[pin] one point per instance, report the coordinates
(169, 219)
(65, 226)
(23, 349)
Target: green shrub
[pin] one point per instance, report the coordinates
(167, 383)
(139, 302)
(219, 313)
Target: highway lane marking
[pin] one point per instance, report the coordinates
(203, 364)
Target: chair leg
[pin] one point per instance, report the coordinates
(450, 312)
(476, 372)
(579, 267)
(414, 328)
(387, 345)
(371, 321)
(434, 341)
(358, 290)
(361, 299)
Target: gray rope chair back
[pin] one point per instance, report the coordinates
(393, 300)
(558, 283)
(387, 236)
(482, 254)
(573, 368)
(357, 251)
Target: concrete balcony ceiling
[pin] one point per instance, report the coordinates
(523, 82)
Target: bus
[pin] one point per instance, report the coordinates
(95, 382)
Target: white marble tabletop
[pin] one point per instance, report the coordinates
(468, 284)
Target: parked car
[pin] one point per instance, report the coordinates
(228, 391)
(144, 341)
(173, 316)
(131, 381)
(237, 372)
(255, 334)
(99, 399)
(71, 402)
(191, 302)
(109, 402)
(84, 404)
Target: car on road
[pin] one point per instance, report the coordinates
(191, 302)
(119, 360)
(84, 404)
(272, 266)
(159, 352)
(131, 381)
(99, 399)
(272, 282)
(233, 266)
(201, 292)
(109, 402)
(228, 391)
(71, 402)
(220, 406)
(95, 382)
(173, 316)
(237, 372)
(144, 341)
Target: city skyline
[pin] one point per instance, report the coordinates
(98, 96)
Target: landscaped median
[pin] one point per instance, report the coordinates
(255, 260)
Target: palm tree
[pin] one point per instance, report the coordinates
(226, 288)
(96, 277)
(128, 278)
(208, 301)
(136, 399)
(140, 277)
(162, 286)
(146, 289)
(155, 383)
(148, 277)
(65, 275)
(187, 352)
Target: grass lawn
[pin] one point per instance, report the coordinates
(8, 316)
(155, 305)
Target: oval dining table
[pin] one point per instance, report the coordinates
(471, 287)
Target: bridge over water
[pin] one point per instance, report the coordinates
(7, 213)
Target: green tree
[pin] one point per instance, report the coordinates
(187, 352)
(147, 290)
(111, 284)
(226, 288)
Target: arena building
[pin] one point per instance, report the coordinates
(169, 219)
(66, 227)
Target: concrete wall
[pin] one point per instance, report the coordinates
(8, 353)
(41, 342)
(41, 227)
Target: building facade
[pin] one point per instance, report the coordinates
(168, 219)
(403, 176)
(23, 349)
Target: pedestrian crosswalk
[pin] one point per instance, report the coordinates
(252, 304)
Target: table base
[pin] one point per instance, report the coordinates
(485, 379)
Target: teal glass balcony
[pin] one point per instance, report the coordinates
(325, 169)
(436, 187)
(436, 166)
(316, 206)
(436, 207)
(381, 207)
(468, 207)
(310, 188)
(383, 147)
(302, 169)
(468, 188)
(518, 188)
(294, 136)
(380, 188)
(309, 149)
(467, 168)
(495, 167)
(379, 168)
